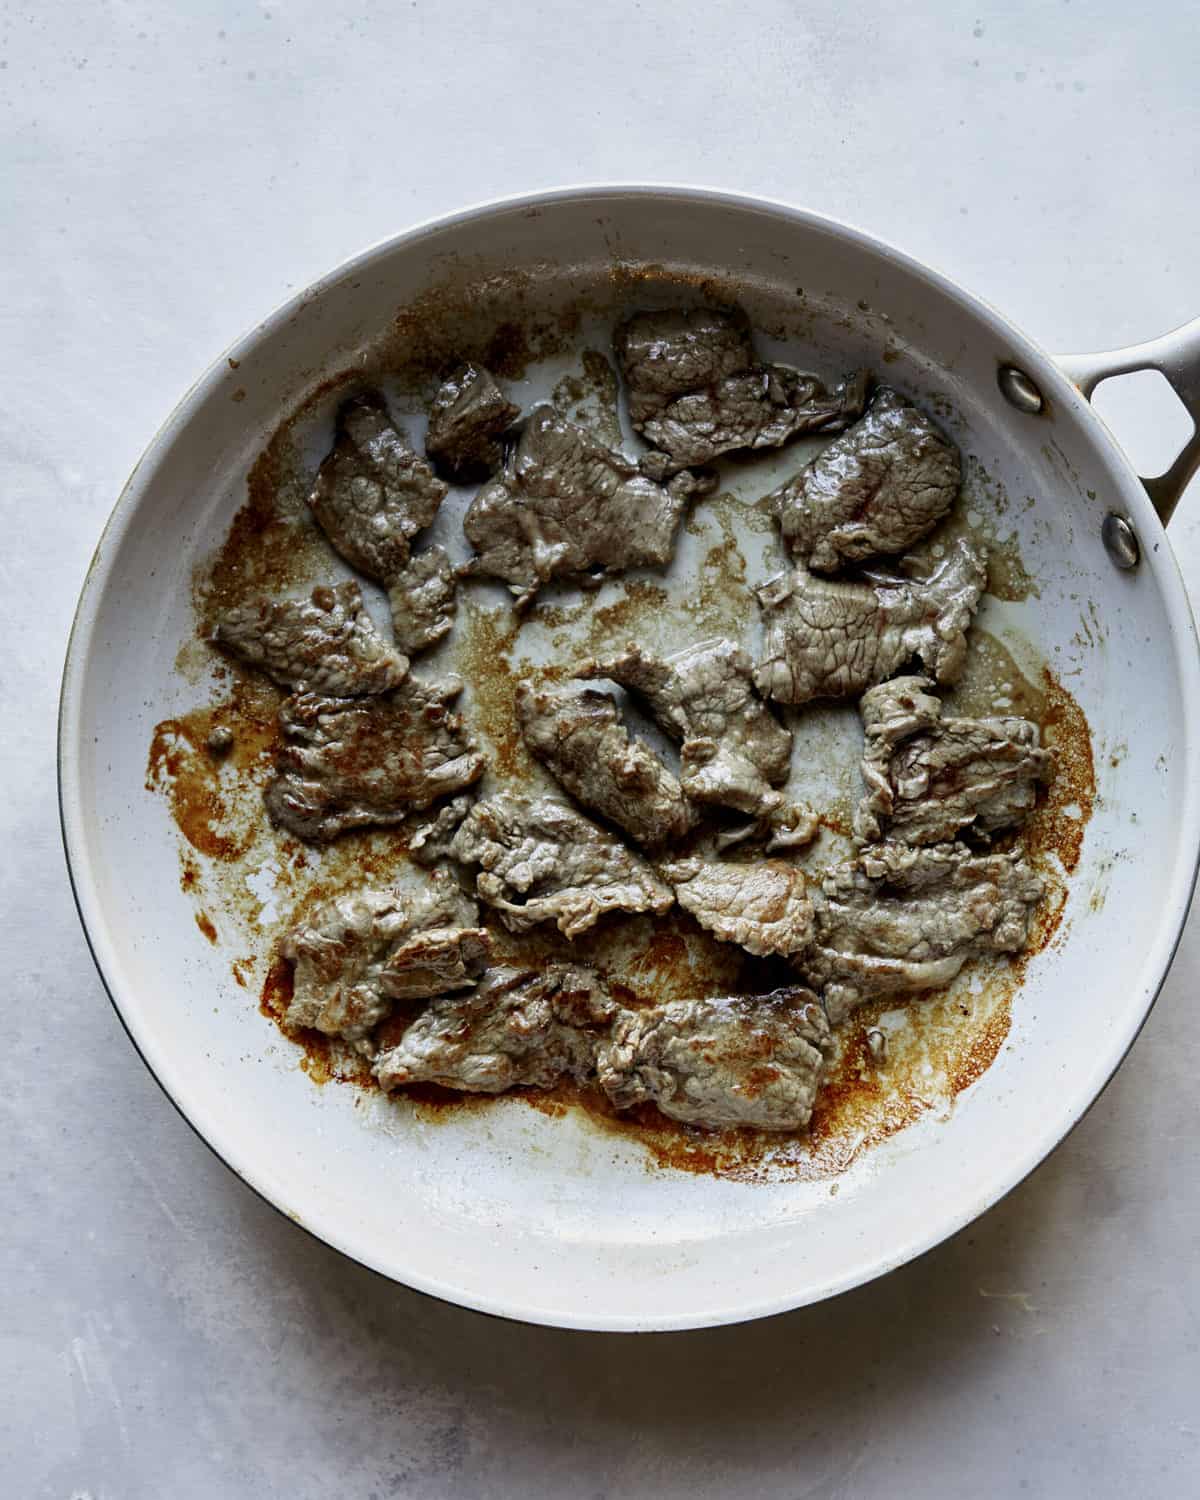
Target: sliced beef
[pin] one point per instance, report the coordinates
(520, 1028)
(469, 416)
(898, 920)
(348, 763)
(431, 841)
(578, 734)
(422, 597)
(733, 750)
(754, 1061)
(764, 905)
(930, 776)
(373, 493)
(567, 506)
(338, 954)
(697, 390)
(326, 643)
(790, 826)
(358, 953)
(436, 961)
(541, 861)
(875, 491)
(833, 639)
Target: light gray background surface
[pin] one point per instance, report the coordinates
(170, 173)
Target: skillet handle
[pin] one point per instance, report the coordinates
(1177, 357)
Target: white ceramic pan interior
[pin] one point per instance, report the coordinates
(553, 1220)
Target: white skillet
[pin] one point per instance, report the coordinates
(548, 1220)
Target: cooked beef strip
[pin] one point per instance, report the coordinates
(833, 639)
(929, 776)
(578, 734)
(436, 961)
(520, 1028)
(432, 838)
(347, 763)
(541, 861)
(567, 506)
(338, 954)
(373, 493)
(359, 952)
(898, 919)
(423, 601)
(764, 905)
(791, 826)
(733, 750)
(468, 416)
(745, 1061)
(326, 643)
(875, 491)
(697, 390)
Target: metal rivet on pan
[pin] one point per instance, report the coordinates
(1120, 541)
(1019, 391)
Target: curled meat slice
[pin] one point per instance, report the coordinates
(349, 763)
(733, 750)
(745, 1061)
(697, 389)
(898, 920)
(567, 506)
(326, 643)
(578, 734)
(359, 952)
(541, 861)
(469, 416)
(373, 493)
(422, 597)
(520, 1028)
(929, 775)
(875, 491)
(833, 639)
(792, 826)
(763, 906)
(431, 840)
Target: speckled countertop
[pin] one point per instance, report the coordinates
(171, 174)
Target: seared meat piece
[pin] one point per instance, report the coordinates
(468, 416)
(373, 493)
(338, 954)
(764, 906)
(827, 639)
(929, 776)
(432, 839)
(733, 749)
(754, 1060)
(324, 644)
(897, 919)
(566, 506)
(436, 961)
(543, 862)
(422, 600)
(347, 763)
(791, 826)
(875, 490)
(358, 952)
(520, 1028)
(578, 734)
(697, 390)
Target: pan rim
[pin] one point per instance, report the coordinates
(1183, 643)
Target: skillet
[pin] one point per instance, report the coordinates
(549, 1218)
